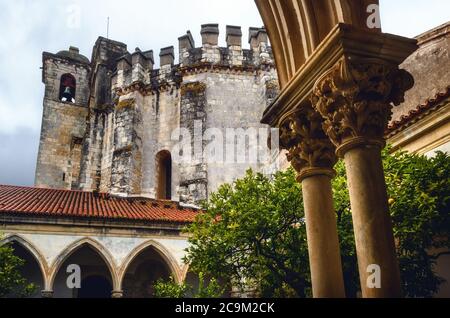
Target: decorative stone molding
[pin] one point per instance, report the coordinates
(193, 87)
(309, 148)
(356, 99)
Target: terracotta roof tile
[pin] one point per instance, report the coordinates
(66, 203)
(416, 113)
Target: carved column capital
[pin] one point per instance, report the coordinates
(356, 98)
(310, 151)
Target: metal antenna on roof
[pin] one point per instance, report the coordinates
(107, 28)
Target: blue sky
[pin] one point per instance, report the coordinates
(29, 27)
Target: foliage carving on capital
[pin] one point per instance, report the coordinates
(356, 99)
(308, 146)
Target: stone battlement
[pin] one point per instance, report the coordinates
(131, 70)
(139, 67)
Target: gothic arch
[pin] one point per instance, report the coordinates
(72, 248)
(297, 27)
(162, 252)
(34, 251)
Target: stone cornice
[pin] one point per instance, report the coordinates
(149, 89)
(92, 223)
(218, 68)
(343, 42)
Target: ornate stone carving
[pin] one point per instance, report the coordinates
(355, 99)
(308, 146)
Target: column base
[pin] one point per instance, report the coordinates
(47, 293)
(117, 294)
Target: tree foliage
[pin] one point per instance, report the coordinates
(171, 289)
(252, 232)
(12, 284)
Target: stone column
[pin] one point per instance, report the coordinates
(355, 98)
(312, 155)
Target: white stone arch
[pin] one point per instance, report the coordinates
(163, 252)
(101, 250)
(34, 251)
(184, 272)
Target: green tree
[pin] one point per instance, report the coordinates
(252, 232)
(12, 284)
(171, 289)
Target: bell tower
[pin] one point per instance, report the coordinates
(66, 77)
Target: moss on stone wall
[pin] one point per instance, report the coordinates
(194, 88)
(126, 103)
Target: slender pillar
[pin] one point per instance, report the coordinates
(355, 98)
(371, 220)
(323, 241)
(312, 154)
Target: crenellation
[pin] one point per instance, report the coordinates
(167, 56)
(141, 66)
(185, 44)
(210, 34)
(233, 36)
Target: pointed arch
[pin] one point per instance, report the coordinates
(75, 246)
(297, 27)
(33, 250)
(162, 252)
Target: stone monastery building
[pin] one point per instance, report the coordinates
(108, 122)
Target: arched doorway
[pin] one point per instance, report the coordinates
(31, 270)
(96, 278)
(164, 175)
(143, 272)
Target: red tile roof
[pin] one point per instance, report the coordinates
(417, 113)
(66, 203)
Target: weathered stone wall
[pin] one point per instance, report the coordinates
(161, 118)
(63, 124)
(193, 173)
(126, 170)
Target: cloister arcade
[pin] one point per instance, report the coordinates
(101, 275)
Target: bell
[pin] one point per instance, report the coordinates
(67, 95)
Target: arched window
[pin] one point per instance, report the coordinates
(164, 175)
(67, 88)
